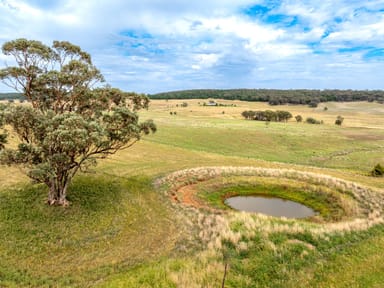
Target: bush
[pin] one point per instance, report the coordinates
(311, 120)
(339, 120)
(377, 171)
(299, 118)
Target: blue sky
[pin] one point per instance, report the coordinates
(151, 46)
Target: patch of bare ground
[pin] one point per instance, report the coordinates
(187, 196)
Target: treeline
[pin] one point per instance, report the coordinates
(267, 115)
(277, 97)
(11, 96)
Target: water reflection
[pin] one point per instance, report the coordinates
(270, 206)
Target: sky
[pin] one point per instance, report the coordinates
(151, 46)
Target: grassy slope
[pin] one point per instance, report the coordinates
(360, 266)
(103, 234)
(112, 223)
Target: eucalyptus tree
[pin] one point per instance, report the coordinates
(70, 120)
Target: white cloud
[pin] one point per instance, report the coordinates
(155, 45)
(204, 60)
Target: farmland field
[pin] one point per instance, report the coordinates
(123, 230)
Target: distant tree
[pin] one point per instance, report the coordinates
(68, 125)
(275, 101)
(245, 114)
(298, 118)
(248, 114)
(339, 120)
(277, 97)
(270, 115)
(267, 115)
(313, 103)
(259, 116)
(283, 116)
(325, 108)
(378, 171)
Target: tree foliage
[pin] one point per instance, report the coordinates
(267, 115)
(68, 124)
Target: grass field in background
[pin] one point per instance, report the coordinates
(120, 231)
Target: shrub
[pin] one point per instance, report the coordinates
(377, 171)
(311, 120)
(339, 120)
(299, 118)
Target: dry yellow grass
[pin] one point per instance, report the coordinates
(355, 113)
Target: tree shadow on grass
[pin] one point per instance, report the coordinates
(93, 199)
(96, 192)
(86, 192)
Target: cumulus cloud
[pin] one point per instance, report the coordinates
(158, 45)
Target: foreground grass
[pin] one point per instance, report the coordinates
(358, 266)
(288, 259)
(281, 260)
(112, 223)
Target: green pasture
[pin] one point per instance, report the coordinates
(122, 231)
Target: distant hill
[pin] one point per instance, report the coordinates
(276, 97)
(11, 96)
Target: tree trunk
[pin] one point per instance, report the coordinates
(57, 194)
(63, 196)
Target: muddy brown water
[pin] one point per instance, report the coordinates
(270, 206)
